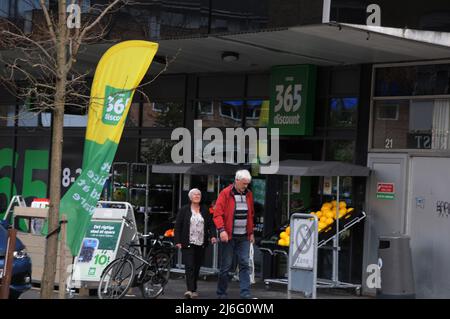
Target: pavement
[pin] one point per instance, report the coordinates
(207, 290)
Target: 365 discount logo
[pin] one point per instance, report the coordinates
(288, 99)
(116, 101)
(292, 92)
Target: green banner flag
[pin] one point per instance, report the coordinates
(118, 73)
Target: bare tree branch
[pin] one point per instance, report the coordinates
(25, 38)
(49, 21)
(166, 67)
(80, 38)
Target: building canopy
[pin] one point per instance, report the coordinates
(320, 168)
(287, 167)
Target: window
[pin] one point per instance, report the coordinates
(27, 118)
(163, 114)
(401, 119)
(228, 113)
(219, 113)
(205, 108)
(257, 113)
(253, 109)
(340, 150)
(7, 115)
(4, 9)
(387, 111)
(231, 110)
(159, 107)
(70, 120)
(156, 151)
(343, 112)
(412, 124)
(413, 80)
(133, 116)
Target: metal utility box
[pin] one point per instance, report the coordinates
(107, 230)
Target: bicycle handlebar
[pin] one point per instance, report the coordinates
(129, 222)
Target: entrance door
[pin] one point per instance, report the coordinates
(386, 204)
(430, 225)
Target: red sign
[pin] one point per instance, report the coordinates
(385, 188)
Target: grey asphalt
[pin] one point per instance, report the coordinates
(207, 290)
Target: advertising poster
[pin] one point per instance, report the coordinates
(327, 185)
(186, 182)
(296, 183)
(98, 249)
(210, 183)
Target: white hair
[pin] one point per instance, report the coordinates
(192, 191)
(243, 174)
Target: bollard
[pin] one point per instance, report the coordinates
(7, 270)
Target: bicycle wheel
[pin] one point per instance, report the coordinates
(159, 269)
(116, 279)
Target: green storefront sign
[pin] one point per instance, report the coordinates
(292, 99)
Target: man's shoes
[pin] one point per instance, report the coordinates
(248, 297)
(194, 295)
(222, 297)
(188, 294)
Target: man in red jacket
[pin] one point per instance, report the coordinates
(233, 217)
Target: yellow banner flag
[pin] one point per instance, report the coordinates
(118, 73)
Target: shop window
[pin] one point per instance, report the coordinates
(161, 193)
(388, 112)
(412, 124)
(27, 117)
(219, 113)
(413, 80)
(231, 110)
(205, 108)
(133, 116)
(208, 112)
(256, 113)
(6, 115)
(345, 190)
(343, 112)
(340, 150)
(159, 107)
(70, 120)
(163, 114)
(156, 151)
(229, 113)
(4, 8)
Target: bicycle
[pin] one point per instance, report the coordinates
(151, 273)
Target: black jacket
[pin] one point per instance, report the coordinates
(183, 223)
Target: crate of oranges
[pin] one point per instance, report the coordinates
(284, 237)
(170, 233)
(327, 213)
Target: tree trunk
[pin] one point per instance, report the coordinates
(51, 249)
